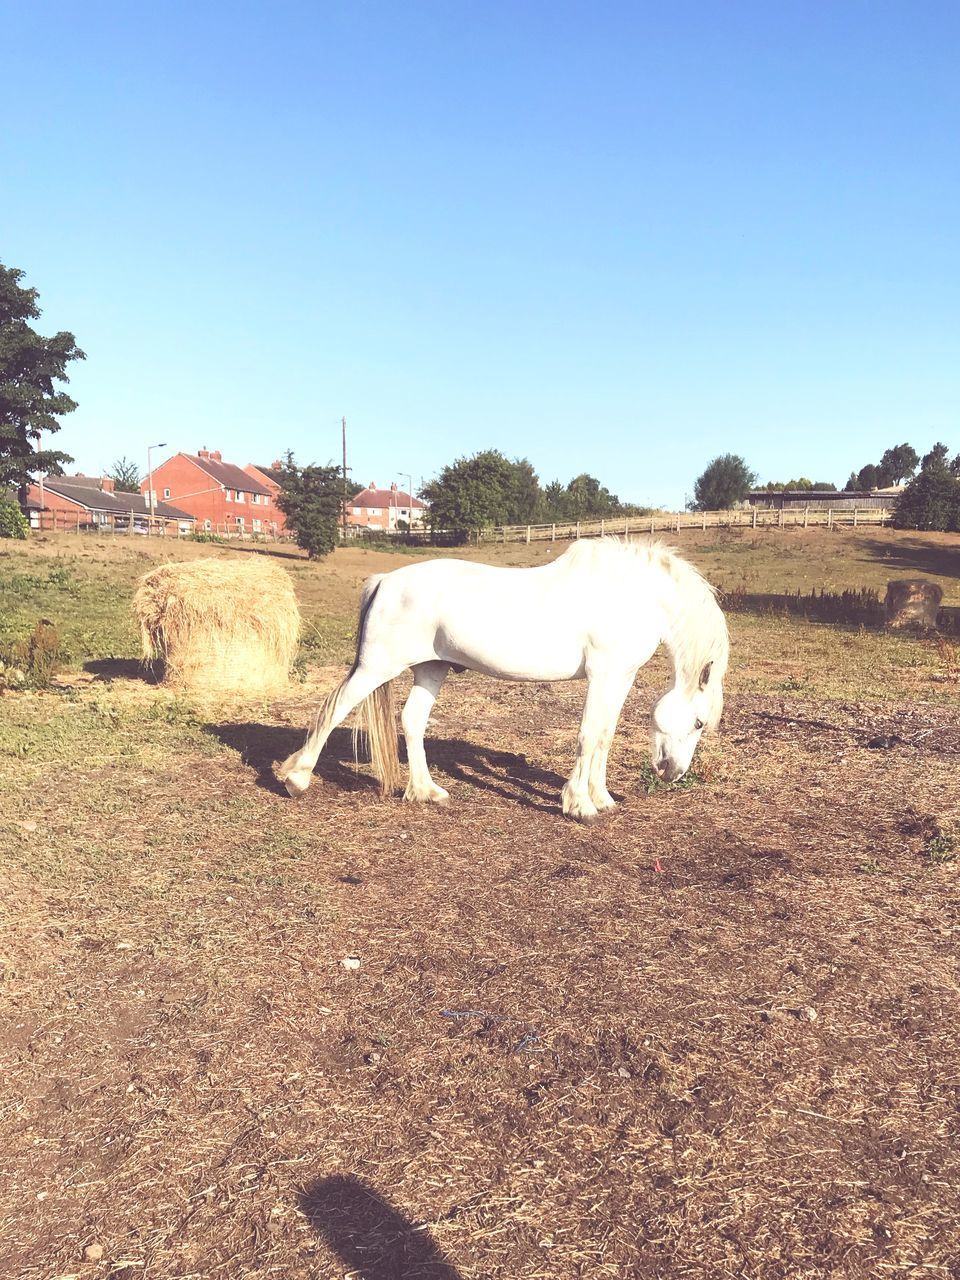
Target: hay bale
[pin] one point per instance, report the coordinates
(221, 625)
(913, 602)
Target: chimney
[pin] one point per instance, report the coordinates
(393, 487)
(216, 456)
(107, 484)
(204, 454)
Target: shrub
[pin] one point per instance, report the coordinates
(13, 523)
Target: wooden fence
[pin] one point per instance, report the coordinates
(676, 521)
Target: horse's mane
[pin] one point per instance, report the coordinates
(697, 628)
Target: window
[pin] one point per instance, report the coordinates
(266, 501)
(256, 526)
(256, 498)
(166, 493)
(240, 522)
(240, 495)
(229, 493)
(371, 511)
(207, 525)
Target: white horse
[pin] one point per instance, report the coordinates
(598, 613)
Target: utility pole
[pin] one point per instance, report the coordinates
(343, 425)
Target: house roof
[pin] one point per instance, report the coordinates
(374, 497)
(117, 503)
(227, 474)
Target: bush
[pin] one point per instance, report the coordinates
(13, 523)
(931, 500)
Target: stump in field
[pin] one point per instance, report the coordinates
(220, 625)
(913, 602)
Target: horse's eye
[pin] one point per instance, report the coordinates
(698, 724)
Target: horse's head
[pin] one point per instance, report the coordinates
(678, 720)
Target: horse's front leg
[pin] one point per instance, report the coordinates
(585, 794)
(428, 678)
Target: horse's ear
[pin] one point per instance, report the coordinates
(705, 675)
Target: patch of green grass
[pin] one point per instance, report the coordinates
(942, 849)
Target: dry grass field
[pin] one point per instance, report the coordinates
(714, 1035)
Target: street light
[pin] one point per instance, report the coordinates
(150, 447)
(401, 475)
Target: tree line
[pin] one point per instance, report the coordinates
(468, 495)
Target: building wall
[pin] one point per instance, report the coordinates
(194, 491)
(267, 479)
(56, 502)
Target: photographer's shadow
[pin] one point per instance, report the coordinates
(372, 1239)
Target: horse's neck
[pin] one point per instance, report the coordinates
(685, 618)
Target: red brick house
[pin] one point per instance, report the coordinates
(270, 476)
(223, 497)
(93, 502)
(374, 508)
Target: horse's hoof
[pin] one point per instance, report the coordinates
(297, 782)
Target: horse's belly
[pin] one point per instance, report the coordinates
(513, 657)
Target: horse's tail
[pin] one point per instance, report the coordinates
(377, 721)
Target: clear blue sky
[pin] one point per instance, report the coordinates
(615, 238)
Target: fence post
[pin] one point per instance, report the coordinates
(805, 513)
(854, 517)
(754, 517)
(528, 535)
(553, 532)
(678, 522)
(578, 528)
(626, 526)
(829, 517)
(704, 520)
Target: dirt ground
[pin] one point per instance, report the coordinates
(715, 1034)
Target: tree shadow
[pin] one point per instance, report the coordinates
(914, 555)
(370, 1237)
(503, 773)
(123, 669)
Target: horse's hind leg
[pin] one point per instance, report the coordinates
(296, 771)
(428, 678)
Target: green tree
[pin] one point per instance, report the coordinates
(13, 523)
(311, 499)
(898, 464)
(932, 498)
(726, 481)
(487, 489)
(29, 367)
(125, 475)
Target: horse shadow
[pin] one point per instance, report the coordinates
(370, 1237)
(503, 773)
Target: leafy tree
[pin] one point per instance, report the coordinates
(29, 367)
(125, 475)
(898, 464)
(932, 498)
(311, 499)
(868, 477)
(936, 457)
(13, 523)
(725, 482)
(487, 489)
(583, 498)
(801, 485)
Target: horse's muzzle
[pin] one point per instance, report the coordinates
(668, 770)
